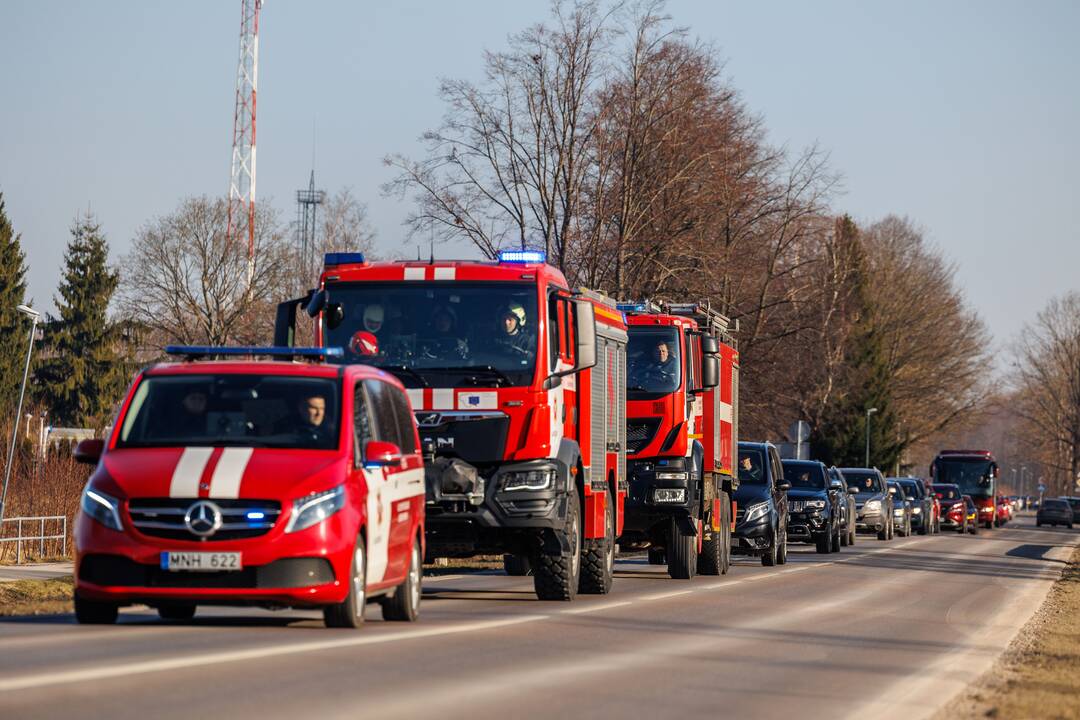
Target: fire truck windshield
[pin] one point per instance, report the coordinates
(652, 357)
(971, 474)
(439, 334)
(234, 410)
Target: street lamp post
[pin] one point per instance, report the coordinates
(34, 316)
(869, 412)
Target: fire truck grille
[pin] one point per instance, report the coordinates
(164, 518)
(639, 433)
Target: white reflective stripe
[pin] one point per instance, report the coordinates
(414, 273)
(727, 412)
(229, 471)
(188, 472)
(445, 273)
(416, 398)
(378, 525)
(442, 399)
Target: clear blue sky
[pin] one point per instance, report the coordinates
(964, 116)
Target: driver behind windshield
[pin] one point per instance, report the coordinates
(510, 333)
(309, 421)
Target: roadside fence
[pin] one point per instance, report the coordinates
(45, 533)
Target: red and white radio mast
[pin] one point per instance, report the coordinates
(242, 182)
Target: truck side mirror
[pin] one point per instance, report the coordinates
(710, 371)
(285, 320)
(709, 345)
(584, 334)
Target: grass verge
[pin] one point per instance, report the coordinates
(36, 597)
(1038, 676)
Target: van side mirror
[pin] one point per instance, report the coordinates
(784, 486)
(89, 451)
(381, 454)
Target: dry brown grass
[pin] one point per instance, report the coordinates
(36, 597)
(49, 486)
(1038, 676)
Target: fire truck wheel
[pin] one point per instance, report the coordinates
(555, 576)
(656, 556)
(714, 549)
(176, 613)
(517, 565)
(90, 612)
(681, 553)
(350, 612)
(598, 557)
(404, 604)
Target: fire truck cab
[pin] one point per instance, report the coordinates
(682, 431)
(976, 473)
(518, 388)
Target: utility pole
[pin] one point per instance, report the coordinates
(34, 316)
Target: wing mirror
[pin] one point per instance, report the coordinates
(89, 451)
(381, 454)
(784, 486)
(853, 490)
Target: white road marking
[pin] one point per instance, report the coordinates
(661, 596)
(596, 608)
(106, 672)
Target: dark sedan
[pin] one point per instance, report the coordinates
(1054, 511)
(922, 505)
(902, 508)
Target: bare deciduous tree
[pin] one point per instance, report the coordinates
(184, 282)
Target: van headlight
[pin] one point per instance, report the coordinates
(102, 507)
(313, 509)
(756, 511)
(872, 506)
(528, 479)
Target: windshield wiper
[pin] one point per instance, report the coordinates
(405, 369)
(492, 371)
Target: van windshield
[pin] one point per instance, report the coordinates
(232, 410)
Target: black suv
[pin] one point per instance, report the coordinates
(813, 511)
(873, 501)
(761, 513)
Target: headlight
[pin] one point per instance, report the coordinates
(669, 495)
(103, 508)
(988, 509)
(671, 475)
(528, 480)
(815, 504)
(755, 511)
(872, 505)
(313, 509)
(898, 511)
(916, 511)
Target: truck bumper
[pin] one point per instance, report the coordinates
(657, 493)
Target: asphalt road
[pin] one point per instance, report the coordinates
(881, 629)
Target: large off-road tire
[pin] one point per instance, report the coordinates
(404, 604)
(555, 576)
(598, 556)
(517, 565)
(770, 557)
(682, 554)
(92, 612)
(350, 612)
(177, 613)
(656, 556)
(715, 554)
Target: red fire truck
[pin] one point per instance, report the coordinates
(518, 387)
(976, 472)
(682, 391)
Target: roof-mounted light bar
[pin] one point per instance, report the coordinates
(638, 306)
(343, 258)
(192, 352)
(523, 257)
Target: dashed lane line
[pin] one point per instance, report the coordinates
(663, 595)
(596, 608)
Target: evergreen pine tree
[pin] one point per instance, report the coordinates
(840, 437)
(84, 372)
(14, 328)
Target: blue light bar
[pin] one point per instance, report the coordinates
(277, 351)
(632, 307)
(343, 258)
(522, 257)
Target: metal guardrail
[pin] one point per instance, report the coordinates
(29, 522)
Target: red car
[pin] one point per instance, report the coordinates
(954, 514)
(238, 481)
(1004, 511)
